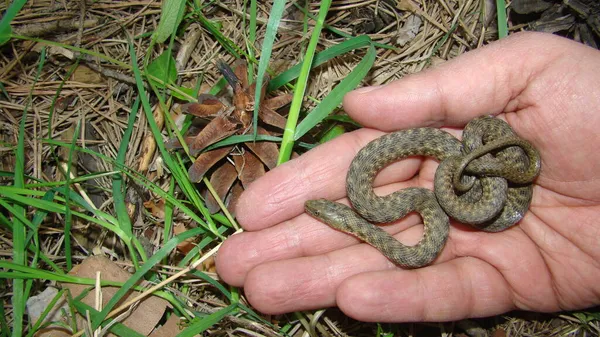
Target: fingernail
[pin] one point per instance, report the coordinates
(365, 90)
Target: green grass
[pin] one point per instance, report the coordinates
(502, 21)
(287, 143)
(21, 289)
(29, 202)
(265, 55)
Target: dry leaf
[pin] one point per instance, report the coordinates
(221, 180)
(147, 152)
(172, 327)
(271, 117)
(207, 106)
(205, 161)
(84, 74)
(219, 128)
(146, 314)
(188, 244)
(233, 197)
(249, 168)
(278, 102)
(268, 152)
(407, 5)
(409, 30)
(157, 209)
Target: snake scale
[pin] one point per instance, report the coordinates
(484, 181)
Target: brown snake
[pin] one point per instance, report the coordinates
(485, 181)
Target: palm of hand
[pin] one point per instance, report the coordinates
(547, 263)
(559, 114)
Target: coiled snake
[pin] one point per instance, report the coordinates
(484, 181)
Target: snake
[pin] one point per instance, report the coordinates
(484, 180)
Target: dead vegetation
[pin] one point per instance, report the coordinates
(85, 99)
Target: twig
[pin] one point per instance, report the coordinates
(47, 28)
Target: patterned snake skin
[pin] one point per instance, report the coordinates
(485, 181)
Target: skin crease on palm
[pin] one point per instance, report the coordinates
(548, 89)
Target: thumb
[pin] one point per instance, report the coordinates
(487, 80)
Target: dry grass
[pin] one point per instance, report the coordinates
(99, 95)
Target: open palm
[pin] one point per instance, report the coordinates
(548, 90)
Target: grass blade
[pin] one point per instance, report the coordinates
(19, 230)
(68, 217)
(231, 47)
(251, 43)
(265, 55)
(320, 58)
(339, 32)
(118, 188)
(287, 142)
(200, 326)
(170, 17)
(117, 328)
(239, 139)
(501, 16)
(8, 16)
(329, 103)
(45, 313)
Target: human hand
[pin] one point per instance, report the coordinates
(548, 89)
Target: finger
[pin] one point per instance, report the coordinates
(311, 282)
(298, 237)
(461, 288)
(495, 272)
(319, 173)
(512, 275)
(487, 80)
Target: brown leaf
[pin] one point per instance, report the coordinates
(205, 161)
(499, 333)
(249, 168)
(219, 128)
(251, 90)
(172, 327)
(221, 180)
(84, 74)
(149, 144)
(233, 197)
(277, 102)
(408, 5)
(243, 100)
(240, 69)
(143, 317)
(147, 152)
(207, 106)
(174, 143)
(230, 77)
(268, 152)
(244, 116)
(62, 103)
(271, 117)
(157, 209)
(186, 245)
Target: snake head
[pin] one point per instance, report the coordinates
(316, 208)
(334, 214)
